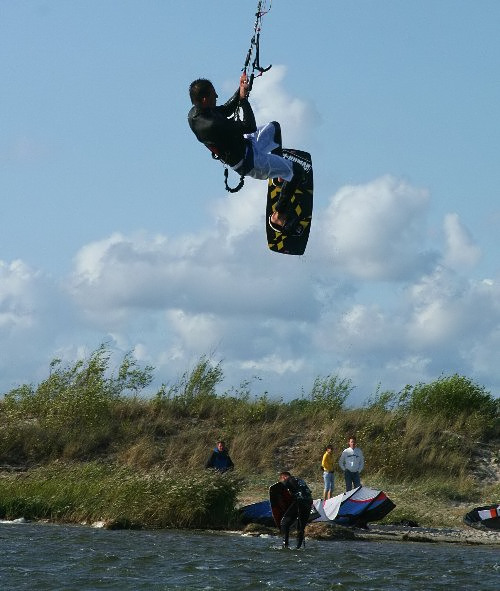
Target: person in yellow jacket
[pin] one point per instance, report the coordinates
(327, 465)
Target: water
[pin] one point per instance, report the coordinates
(57, 558)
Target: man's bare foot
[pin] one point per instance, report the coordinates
(278, 218)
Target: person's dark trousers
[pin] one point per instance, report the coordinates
(352, 480)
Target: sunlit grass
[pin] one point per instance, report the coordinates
(95, 449)
(120, 496)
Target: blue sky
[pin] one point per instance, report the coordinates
(116, 227)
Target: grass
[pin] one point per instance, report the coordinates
(120, 496)
(93, 449)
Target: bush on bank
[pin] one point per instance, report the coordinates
(86, 411)
(120, 496)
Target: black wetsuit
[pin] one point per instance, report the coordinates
(299, 510)
(223, 136)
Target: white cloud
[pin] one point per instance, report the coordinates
(195, 332)
(376, 231)
(242, 212)
(376, 299)
(275, 364)
(448, 310)
(460, 250)
(17, 299)
(295, 116)
(286, 319)
(217, 273)
(35, 315)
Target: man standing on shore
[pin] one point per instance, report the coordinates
(351, 463)
(327, 465)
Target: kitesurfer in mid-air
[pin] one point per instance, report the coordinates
(249, 150)
(299, 509)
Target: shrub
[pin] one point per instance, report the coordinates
(455, 399)
(106, 492)
(195, 392)
(72, 405)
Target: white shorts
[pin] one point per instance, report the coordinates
(265, 164)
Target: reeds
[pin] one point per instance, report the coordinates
(120, 496)
(136, 447)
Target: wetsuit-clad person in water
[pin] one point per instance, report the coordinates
(299, 510)
(249, 150)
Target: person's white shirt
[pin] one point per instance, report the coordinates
(352, 459)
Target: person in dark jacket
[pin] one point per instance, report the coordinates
(219, 459)
(239, 143)
(299, 510)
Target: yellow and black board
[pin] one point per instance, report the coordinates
(302, 202)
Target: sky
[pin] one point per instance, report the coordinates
(115, 226)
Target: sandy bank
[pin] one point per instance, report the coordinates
(395, 533)
(466, 535)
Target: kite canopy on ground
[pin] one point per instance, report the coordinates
(484, 517)
(354, 508)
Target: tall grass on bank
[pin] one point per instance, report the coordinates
(85, 412)
(120, 496)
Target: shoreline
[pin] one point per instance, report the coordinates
(327, 532)
(447, 535)
(390, 533)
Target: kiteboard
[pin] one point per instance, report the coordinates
(302, 203)
(280, 499)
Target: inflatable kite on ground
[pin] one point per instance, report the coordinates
(354, 508)
(488, 517)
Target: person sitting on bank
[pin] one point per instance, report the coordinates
(219, 459)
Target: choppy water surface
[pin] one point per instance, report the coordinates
(49, 557)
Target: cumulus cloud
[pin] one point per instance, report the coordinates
(376, 231)
(220, 293)
(295, 115)
(242, 213)
(17, 299)
(377, 298)
(449, 310)
(460, 249)
(381, 314)
(210, 274)
(35, 316)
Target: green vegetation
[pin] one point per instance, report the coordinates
(123, 497)
(92, 447)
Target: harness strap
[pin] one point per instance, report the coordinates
(238, 186)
